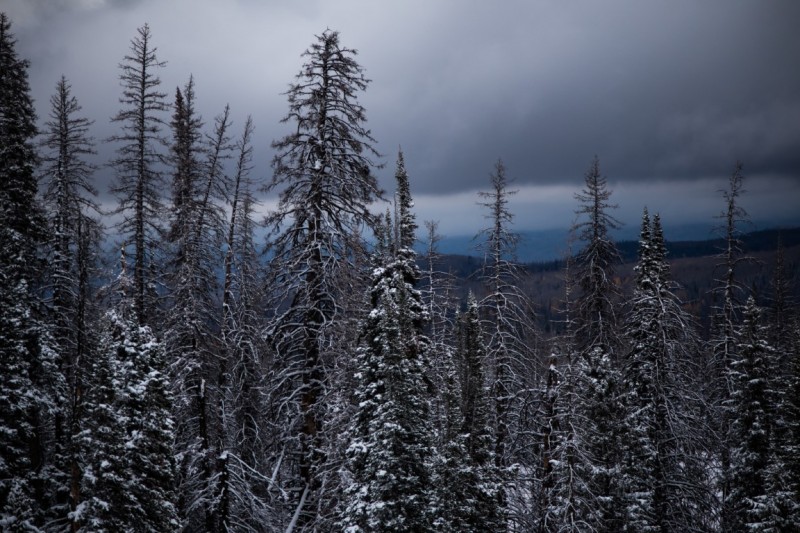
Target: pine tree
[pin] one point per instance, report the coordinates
(722, 344)
(186, 158)
(597, 371)
(565, 499)
(138, 174)
(662, 470)
(749, 499)
(392, 442)
(565, 502)
(453, 474)
(192, 323)
(438, 292)
(783, 475)
(323, 172)
(73, 247)
(104, 465)
(596, 315)
(509, 318)
(788, 443)
(483, 495)
(31, 384)
(243, 490)
(130, 472)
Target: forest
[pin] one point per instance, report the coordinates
(198, 377)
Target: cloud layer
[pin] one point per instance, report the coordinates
(666, 93)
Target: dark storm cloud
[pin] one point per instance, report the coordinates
(660, 91)
(655, 92)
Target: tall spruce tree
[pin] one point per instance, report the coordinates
(662, 471)
(789, 438)
(751, 500)
(483, 494)
(783, 478)
(596, 302)
(392, 440)
(244, 487)
(508, 316)
(192, 334)
(129, 469)
(69, 197)
(727, 293)
(565, 502)
(31, 384)
(186, 158)
(597, 344)
(323, 173)
(438, 290)
(453, 474)
(138, 165)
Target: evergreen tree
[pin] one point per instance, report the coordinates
(192, 323)
(186, 158)
(438, 293)
(73, 246)
(783, 477)
(139, 176)
(566, 499)
(662, 470)
(31, 384)
(509, 318)
(597, 371)
(483, 493)
(130, 472)
(566, 503)
(788, 443)
(323, 172)
(596, 315)
(722, 344)
(391, 444)
(104, 465)
(751, 426)
(452, 469)
(243, 491)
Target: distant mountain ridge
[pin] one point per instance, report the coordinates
(756, 241)
(551, 245)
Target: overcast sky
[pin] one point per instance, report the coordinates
(669, 94)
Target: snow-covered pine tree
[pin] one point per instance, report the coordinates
(789, 446)
(484, 491)
(129, 475)
(662, 471)
(391, 444)
(31, 384)
(750, 500)
(453, 474)
(69, 197)
(72, 249)
(783, 476)
(138, 166)
(565, 502)
(563, 499)
(323, 173)
(186, 156)
(244, 487)
(596, 302)
(511, 338)
(727, 294)
(101, 442)
(537, 515)
(597, 372)
(438, 293)
(192, 336)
